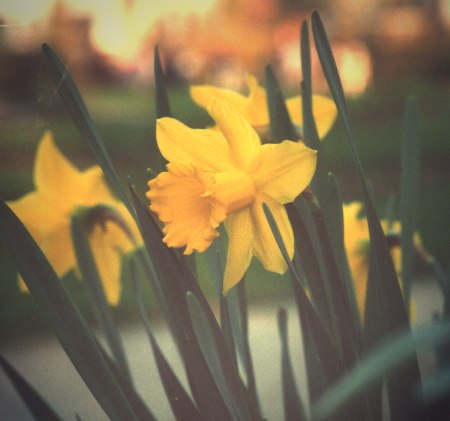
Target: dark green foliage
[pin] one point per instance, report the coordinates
(63, 316)
(40, 409)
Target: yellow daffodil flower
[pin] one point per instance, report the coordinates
(254, 106)
(357, 246)
(225, 176)
(46, 212)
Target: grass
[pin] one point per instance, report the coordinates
(124, 117)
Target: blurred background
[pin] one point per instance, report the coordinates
(385, 50)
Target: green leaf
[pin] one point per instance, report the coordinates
(175, 279)
(436, 393)
(409, 191)
(214, 353)
(337, 232)
(141, 410)
(305, 57)
(305, 235)
(386, 292)
(326, 352)
(162, 107)
(293, 408)
(162, 99)
(63, 316)
(319, 182)
(74, 103)
(281, 127)
(35, 403)
(237, 302)
(345, 327)
(90, 275)
(180, 402)
(329, 225)
(394, 352)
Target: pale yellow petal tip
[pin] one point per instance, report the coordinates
(113, 298)
(22, 285)
(213, 105)
(163, 122)
(229, 284)
(47, 136)
(252, 81)
(47, 142)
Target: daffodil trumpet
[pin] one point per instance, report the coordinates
(224, 176)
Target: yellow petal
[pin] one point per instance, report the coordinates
(324, 111)
(57, 247)
(180, 198)
(359, 270)
(205, 148)
(36, 213)
(266, 248)
(127, 245)
(240, 244)
(107, 251)
(202, 95)
(242, 139)
(356, 242)
(256, 111)
(284, 170)
(91, 188)
(22, 285)
(53, 175)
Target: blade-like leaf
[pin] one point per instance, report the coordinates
(388, 356)
(63, 316)
(162, 107)
(74, 103)
(392, 316)
(281, 127)
(241, 304)
(331, 366)
(327, 195)
(36, 404)
(141, 410)
(337, 228)
(213, 354)
(436, 394)
(180, 402)
(327, 354)
(293, 408)
(174, 280)
(90, 275)
(409, 191)
(162, 99)
(305, 234)
(346, 333)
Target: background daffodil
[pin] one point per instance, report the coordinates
(225, 176)
(61, 189)
(357, 246)
(254, 106)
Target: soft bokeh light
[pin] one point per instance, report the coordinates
(119, 27)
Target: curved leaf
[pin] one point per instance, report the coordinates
(64, 317)
(40, 409)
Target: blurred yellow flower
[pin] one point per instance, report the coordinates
(254, 106)
(215, 176)
(357, 246)
(61, 189)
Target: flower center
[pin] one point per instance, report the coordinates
(235, 189)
